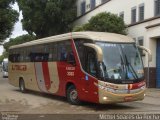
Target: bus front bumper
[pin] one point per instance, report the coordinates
(120, 93)
(108, 97)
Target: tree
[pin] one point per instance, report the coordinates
(47, 17)
(4, 55)
(15, 41)
(8, 17)
(18, 40)
(104, 22)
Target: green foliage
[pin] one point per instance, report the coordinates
(78, 28)
(1, 58)
(83, 27)
(47, 17)
(15, 41)
(8, 17)
(104, 22)
(4, 55)
(18, 40)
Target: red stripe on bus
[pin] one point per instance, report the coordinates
(46, 75)
(137, 85)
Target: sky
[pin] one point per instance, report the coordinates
(17, 31)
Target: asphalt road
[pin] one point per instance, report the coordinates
(38, 106)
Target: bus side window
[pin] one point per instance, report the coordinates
(65, 51)
(63, 54)
(81, 49)
(91, 63)
(27, 58)
(61, 51)
(21, 57)
(48, 51)
(39, 54)
(11, 55)
(16, 55)
(71, 58)
(54, 51)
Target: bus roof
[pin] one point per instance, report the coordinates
(95, 36)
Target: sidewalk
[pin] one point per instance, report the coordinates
(152, 96)
(153, 92)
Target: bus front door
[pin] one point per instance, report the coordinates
(91, 74)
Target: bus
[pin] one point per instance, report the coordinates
(95, 67)
(5, 68)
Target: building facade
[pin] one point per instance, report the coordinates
(143, 20)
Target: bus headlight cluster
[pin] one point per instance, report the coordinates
(105, 98)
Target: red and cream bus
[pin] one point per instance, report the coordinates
(96, 67)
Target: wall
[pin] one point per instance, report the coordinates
(115, 6)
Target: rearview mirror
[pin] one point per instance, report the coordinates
(148, 51)
(97, 49)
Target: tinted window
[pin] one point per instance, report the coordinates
(141, 12)
(82, 50)
(93, 4)
(83, 8)
(64, 49)
(56, 51)
(157, 7)
(14, 56)
(91, 62)
(133, 15)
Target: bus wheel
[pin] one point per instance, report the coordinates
(72, 95)
(22, 86)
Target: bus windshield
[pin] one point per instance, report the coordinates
(121, 61)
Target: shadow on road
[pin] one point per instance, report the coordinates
(46, 95)
(87, 105)
(104, 107)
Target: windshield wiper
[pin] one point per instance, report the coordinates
(133, 71)
(123, 67)
(127, 64)
(103, 69)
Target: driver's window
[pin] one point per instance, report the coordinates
(92, 63)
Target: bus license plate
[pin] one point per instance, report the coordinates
(128, 98)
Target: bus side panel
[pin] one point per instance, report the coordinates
(54, 77)
(12, 76)
(93, 89)
(38, 76)
(71, 74)
(61, 66)
(87, 89)
(42, 75)
(30, 76)
(26, 71)
(47, 77)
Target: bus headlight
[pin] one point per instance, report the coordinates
(105, 98)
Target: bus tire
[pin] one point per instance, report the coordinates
(22, 86)
(72, 95)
